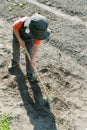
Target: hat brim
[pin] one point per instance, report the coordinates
(35, 36)
(40, 37)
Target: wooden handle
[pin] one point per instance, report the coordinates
(36, 72)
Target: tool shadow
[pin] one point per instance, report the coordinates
(38, 112)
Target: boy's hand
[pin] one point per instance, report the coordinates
(22, 43)
(32, 62)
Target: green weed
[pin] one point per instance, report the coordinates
(5, 121)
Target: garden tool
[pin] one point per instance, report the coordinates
(36, 72)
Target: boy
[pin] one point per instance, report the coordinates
(28, 31)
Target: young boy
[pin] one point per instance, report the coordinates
(28, 31)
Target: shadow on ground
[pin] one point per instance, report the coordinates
(38, 112)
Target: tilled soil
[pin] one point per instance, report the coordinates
(72, 7)
(61, 63)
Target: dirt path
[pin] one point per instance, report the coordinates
(71, 7)
(59, 13)
(62, 64)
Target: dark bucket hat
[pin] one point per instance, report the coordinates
(37, 27)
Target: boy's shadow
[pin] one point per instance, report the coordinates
(38, 109)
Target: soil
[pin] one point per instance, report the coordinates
(61, 63)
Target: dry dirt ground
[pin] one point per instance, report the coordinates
(61, 63)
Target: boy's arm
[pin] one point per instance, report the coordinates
(16, 27)
(34, 53)
(20, 40)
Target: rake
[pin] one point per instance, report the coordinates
(36, 72)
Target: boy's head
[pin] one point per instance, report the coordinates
(37, 26)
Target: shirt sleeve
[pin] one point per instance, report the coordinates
(17, 25)
(37, 42)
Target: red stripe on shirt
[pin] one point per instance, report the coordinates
(18, 23)
(37, 42)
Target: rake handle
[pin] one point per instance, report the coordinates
(36, 72)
